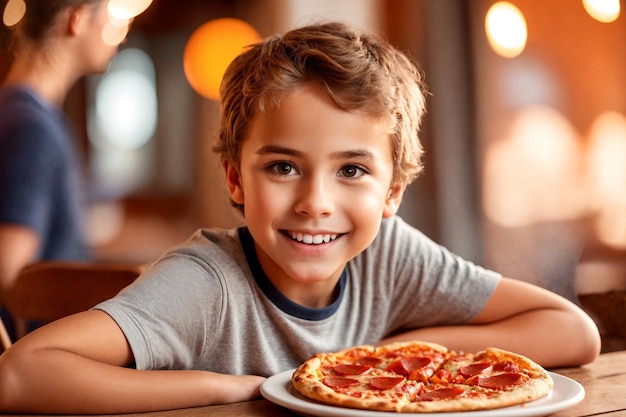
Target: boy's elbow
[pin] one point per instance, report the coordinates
(592, 346)
(574, 340)
(586, 343)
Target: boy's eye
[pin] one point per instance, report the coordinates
(283, 168)
(351, 171)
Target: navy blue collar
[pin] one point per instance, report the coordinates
(275, 296)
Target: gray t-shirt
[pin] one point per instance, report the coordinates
(207, 304)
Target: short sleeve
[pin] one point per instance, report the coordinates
(170, 313)
(417, 282)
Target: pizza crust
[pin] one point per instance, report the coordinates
(532, 390)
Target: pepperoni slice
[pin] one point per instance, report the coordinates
(497, 382)
(368, 361)
(475, 369)
(441, 394)
(397, 367)
(505, 367)
(345, 369)
(340, 382)
(413, 367)
(413, 363)
(384, 382)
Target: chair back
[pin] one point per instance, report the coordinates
(608, 311)
(48, 290)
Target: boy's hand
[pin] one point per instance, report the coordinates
(236, 388)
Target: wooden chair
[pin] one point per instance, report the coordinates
(46, 291)
(608, 311)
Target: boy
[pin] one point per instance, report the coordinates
(318, 141)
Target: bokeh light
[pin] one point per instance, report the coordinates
(13, 12)
(506, 29)
(211, 48)
(126, 102)
(115, 31)
(605, 11)
(607, 158)
(121, 13)
(122, 124)
(607, 177)
(127, 9)
(534, 174)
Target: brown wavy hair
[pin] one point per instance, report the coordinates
(359, 71)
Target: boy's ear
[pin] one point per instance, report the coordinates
(233, 181)
(394, 199)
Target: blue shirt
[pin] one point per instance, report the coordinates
(40, 179)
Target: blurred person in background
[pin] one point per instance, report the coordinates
(53, 45)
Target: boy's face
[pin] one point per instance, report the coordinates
(315, 182)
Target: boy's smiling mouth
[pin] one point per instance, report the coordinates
(312, 239)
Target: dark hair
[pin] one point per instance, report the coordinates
(40, 17)
(359, 71)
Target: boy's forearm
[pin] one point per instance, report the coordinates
(552, 338)
(59, 382)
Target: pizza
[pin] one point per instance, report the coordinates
(420, 377)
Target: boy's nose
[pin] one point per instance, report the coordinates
(315, 198)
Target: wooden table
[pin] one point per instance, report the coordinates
(604, 382)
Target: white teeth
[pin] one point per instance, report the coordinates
(313, 239)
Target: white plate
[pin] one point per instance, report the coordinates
(278, 389)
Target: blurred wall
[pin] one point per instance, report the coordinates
(539, 168)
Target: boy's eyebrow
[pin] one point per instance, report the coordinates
(353, 153)
(270, 149)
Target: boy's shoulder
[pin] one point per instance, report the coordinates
(211, 241)
(211, 246)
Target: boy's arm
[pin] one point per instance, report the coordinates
(77, 365)
(526, 319)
